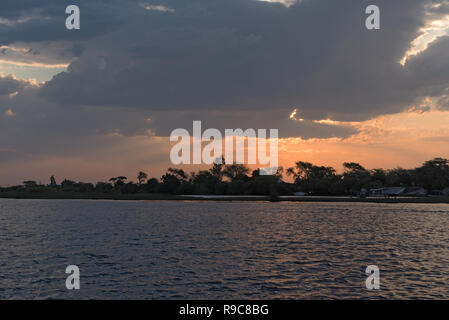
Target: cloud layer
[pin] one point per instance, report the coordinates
(149, 67)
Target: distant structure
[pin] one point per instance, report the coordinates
(445, 192)
(415, 191)
(30, 184)
(53, 181)
(387, 192)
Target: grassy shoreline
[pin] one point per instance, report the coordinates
(157, 196)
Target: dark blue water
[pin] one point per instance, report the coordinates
(224, 250)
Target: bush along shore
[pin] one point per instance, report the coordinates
(428, 183)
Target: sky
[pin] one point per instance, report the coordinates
(101, 101)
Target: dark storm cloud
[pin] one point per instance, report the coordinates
(431, 69)
(230, 63)
(44, 20)
(248, 55)
(270, 119)
(9, 85)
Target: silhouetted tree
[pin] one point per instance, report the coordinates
(433, 174)
(118, 181)
(204, 182)
(103, 187)
(68, 185)
(310, 178)
(399, 177)
(318, 180)
(236, 171)
(84, 187)
(129, 188)
(378, 178)
(217, 168)
(172, 180)
(141, 177)
(355, 177)
(152, 186)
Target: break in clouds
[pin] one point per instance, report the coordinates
(153, 66)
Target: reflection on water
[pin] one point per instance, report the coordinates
(223, 250)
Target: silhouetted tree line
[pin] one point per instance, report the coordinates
(320, 180)
(237, 179)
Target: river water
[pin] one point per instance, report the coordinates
(222, 250)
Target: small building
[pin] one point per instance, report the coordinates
(415, 191)
(387, 192)
(440, 193)
(445, 192)
(436, 193)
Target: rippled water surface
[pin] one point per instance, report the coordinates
(224, 250)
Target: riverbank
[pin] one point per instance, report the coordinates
(157, 196)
